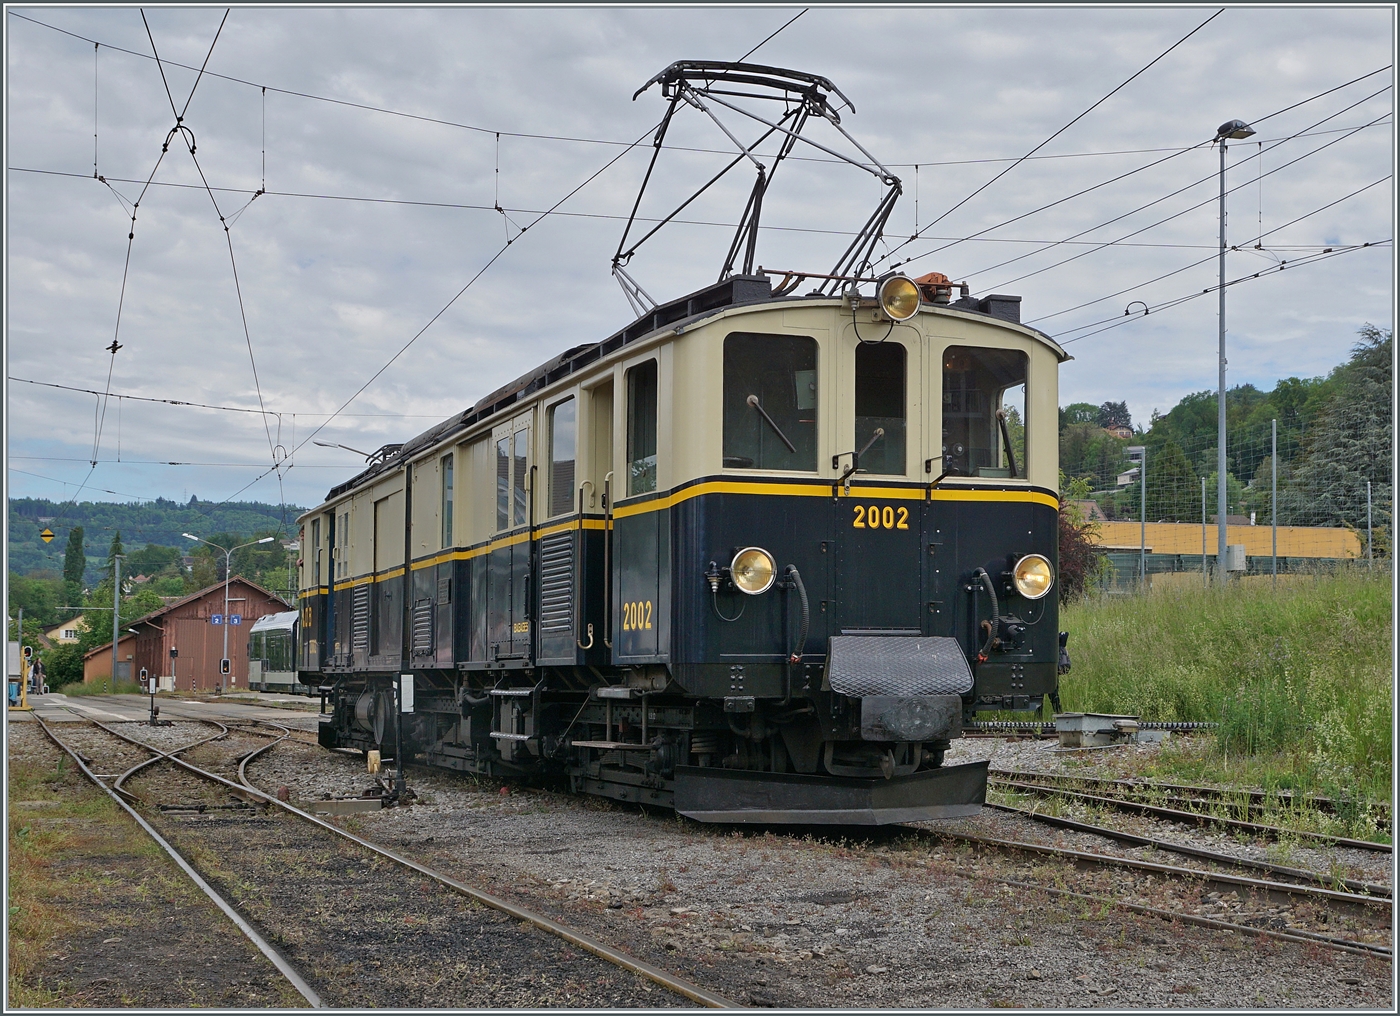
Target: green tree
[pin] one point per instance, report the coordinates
(1349, 443)
(113, 552)
(74, 564)
(1173, 491)
(39, 596)
(1114, 414)
(152, 560)
(1078, 412)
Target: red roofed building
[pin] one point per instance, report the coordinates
(194, 626)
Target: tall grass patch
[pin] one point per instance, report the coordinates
(1299, 676)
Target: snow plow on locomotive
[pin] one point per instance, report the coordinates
(755, 557)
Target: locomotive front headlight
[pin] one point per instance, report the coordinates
(753, 570)
(1033, 576)
(899, 297)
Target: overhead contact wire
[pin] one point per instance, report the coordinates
(1066, 127)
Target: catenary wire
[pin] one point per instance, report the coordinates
(226, 409)
(447, 306)
(1305, 132)
(773, 36)
(603, 141)
(1256, 239)
(1136, 74)
(466, 206)
(1162, 221)
(1118, 320)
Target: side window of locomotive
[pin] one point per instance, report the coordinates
(641, 428)
(984, 406)
(503, 483)
(512, 464)
(448, 495)
(521, 462)
(770, 402)
(315, 552)
(880, 406)
(563, 441)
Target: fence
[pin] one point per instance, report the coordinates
(1326, 504)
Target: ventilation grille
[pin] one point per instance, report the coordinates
(423, 614)
(359, 619)
(557, 583)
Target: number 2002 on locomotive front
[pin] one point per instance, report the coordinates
(756, 557)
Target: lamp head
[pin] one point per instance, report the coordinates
(267, 539)
(189, 536)
(1236, 130)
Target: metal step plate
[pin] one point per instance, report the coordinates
(899, 665)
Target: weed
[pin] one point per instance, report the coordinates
(1298, 679)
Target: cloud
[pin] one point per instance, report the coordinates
(333, 288)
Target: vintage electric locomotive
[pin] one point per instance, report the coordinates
(755, 557)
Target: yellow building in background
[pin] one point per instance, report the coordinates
(1185, 538)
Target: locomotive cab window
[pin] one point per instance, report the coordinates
(641, 428)
(880, 406)
(770, 402)
(984, 412)
(563, 428)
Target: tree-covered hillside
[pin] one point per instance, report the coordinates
(1334, 437)
(159, 522)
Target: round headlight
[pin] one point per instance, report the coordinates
(899, 297)
(753, 570)
(1034, 576)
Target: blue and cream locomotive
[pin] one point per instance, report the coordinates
(755, 557)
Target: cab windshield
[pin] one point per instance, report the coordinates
(984, 412)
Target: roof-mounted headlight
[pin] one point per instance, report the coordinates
(1033, 576)
(753, 570)
(899, 297)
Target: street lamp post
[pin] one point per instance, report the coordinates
(228, 559)
(1230, 130)
(116, 611)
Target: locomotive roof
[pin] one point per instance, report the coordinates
(738, 290)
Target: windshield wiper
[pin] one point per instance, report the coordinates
(753, 401)
(1006, 441)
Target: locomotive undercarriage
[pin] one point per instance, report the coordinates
(648, 742)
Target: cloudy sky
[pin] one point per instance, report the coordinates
(374, 218)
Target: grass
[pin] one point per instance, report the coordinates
(102, 686)
(48, 818)
(1299, 679)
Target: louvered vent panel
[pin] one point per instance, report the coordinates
(423, 614)
(359, 619)
(557, 583)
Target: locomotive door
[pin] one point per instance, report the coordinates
(508, 568)
(879, 523)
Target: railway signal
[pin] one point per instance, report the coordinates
(46, 535)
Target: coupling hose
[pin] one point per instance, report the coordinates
(981, 573)
(796, 577)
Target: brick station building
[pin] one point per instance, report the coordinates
(187, 625)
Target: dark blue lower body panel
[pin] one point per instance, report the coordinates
(734, 795)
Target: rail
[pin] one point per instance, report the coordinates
(581, 939)
(262, 945)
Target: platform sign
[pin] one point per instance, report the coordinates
(216, 618)
(235, 619)
(46, 535)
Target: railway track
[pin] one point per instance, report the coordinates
(1255, 800)
(352, 905)
(1071, 788)
(1361, 908)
